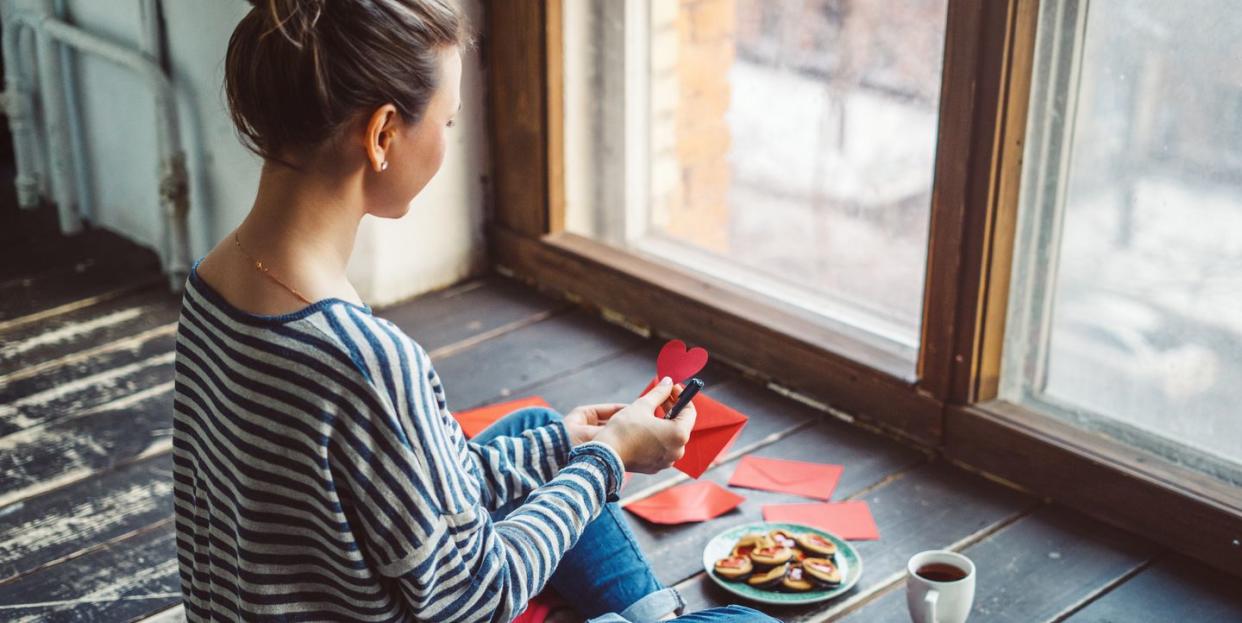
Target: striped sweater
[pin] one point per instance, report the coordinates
(319, 476)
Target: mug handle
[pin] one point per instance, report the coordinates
(929, 605)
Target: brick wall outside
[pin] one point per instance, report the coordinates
(693, 48)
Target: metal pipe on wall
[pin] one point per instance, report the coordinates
(173, 175)
(81, 173)
(19, 105)
(55, 120)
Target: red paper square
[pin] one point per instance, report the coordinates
(850, 520)
(812, 480)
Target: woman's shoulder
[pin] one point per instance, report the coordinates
(375, 343)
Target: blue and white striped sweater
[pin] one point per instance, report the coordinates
(318, 475)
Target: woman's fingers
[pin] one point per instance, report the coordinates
(685, 420)
(657, 395)
(672, 397)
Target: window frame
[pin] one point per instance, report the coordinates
(949, 403)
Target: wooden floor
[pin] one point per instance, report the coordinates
(86, 335)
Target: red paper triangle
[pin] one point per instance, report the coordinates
(715, 428)
(695, 501)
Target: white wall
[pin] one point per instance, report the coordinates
(441, 239)
(438, 243)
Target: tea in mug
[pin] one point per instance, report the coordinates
(941, 572)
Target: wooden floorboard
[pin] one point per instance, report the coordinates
(116, 319)
(676, 552)
(20, 228)
(1035, 569)
(86, 278)
(120, 582)
(66, 521)
(38, 459)
(620, 378)
(41, 250)
(48, 404)
(175, 614)
(1174, 589)
(515, 363)
(96, 376)
(460, 314)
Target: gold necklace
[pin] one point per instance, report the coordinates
(263, 269)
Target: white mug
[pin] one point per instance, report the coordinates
(932, 601)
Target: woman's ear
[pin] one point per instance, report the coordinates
(381, 128)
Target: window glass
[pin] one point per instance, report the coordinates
(784, 146)
(1126, 311)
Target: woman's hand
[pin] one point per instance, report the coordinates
(646, 443)
(584, 422)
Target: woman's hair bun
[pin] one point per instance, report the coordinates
(293, 19)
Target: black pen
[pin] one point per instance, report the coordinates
(692, 387)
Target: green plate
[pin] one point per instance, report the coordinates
(721, 545)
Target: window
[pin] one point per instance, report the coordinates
(1088, 186)
(785, 147)
(1126, 297)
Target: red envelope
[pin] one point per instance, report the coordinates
(849, 520)
(812, 480)
(715, 428)
(474, 421)
(695, 501)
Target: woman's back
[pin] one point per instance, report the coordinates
(260, 404)
(318, 475)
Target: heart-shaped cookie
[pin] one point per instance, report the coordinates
(679, 364)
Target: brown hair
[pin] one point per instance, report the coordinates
(298, 70)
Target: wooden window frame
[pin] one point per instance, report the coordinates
(949, 403)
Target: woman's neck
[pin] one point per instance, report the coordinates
(305, 223)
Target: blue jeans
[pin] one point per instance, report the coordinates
(605, 576)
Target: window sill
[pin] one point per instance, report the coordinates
(1183, 509)
(736, 325)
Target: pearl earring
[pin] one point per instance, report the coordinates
(384, 165)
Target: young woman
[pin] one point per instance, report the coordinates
(318, 472)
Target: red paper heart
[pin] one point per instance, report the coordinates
(679, 364)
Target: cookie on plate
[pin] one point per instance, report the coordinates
(771, 556)
(770, 578)
(733, 568)
(822, 571)
(817, 545)
(750, 542)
